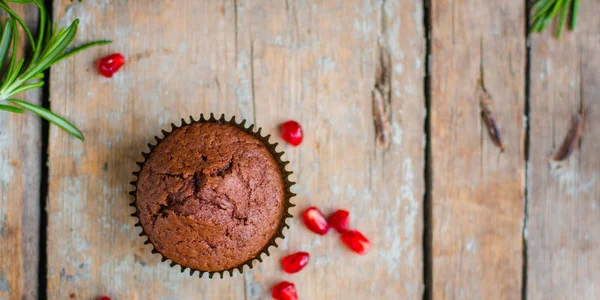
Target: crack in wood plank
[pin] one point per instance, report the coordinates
(381, 97)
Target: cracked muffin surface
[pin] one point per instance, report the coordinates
(210, 196)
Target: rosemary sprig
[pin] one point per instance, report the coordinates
(27, 73)
(544, 11)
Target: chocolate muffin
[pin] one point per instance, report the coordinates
(211, 196)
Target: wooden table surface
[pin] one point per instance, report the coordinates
(449, 215)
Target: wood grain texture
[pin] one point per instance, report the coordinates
(477, 192)
(318, 63)
(19, 202)
(180, 62)
(20, 150)
(267, 62)
(562, 234)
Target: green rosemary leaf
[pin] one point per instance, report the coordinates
(81, 48)
(14, 15)
(55, 41)
(5, 41)
(27, 87)
(537, 25)
(539, 4)
(27, 73)
(46, 59)
(544, 11)
(50, 30)
(545, 23)
(11, 108)
(563, 17)
(15, 38)
(13, 74)
(556, 8)
(540, 12)
(42, 29)
(51, 117)
(38, 76)
(574, 14)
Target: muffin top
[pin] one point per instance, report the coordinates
(210, 196)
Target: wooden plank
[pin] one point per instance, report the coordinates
(19, 193)
(180, 62)
(19, 202)
(563, 236)
(477, 191)
(266, 62)
(318, 64)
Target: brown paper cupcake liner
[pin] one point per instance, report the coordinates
(282, 169)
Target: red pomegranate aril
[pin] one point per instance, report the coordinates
(356, 241)
(291, 132)
(284, 290)
(315, 221)
(294, 262)
(339, 220)
(109, 65)
(104, 298)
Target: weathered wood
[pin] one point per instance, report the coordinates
(180, 62)
(320, 64)
(562, 234)
(266, 62)
(477, 191)
(19, 193)
(19, 202)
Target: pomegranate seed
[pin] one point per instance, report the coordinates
(294, 262)
(284, 290)
(291, 132)
(356, 241)
(339, 220)
(104, 298)
(109, 65)
(315, 221)
(72, 295)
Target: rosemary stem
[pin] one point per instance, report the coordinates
(26, 73)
